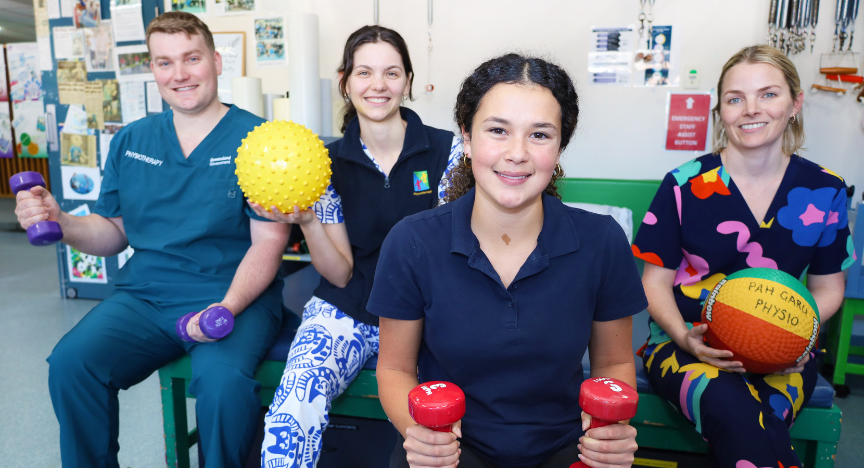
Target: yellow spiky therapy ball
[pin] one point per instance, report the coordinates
(283, 164)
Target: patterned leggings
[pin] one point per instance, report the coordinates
(745, 419)
(327, 354)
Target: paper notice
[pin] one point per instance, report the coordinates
(133, 104)
(154, 99)
(128, 23)
(45, 62)
(53, 7)
(68, 43)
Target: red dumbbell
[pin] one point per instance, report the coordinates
(608, 401)
(436, 405)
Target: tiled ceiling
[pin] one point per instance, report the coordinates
(16, 21)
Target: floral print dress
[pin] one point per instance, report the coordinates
(701, 225)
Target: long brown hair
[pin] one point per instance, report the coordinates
(512, 68)
(368, 35)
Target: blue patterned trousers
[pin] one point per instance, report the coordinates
(327, 354)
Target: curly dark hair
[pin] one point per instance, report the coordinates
(512, 69)
(367, 35)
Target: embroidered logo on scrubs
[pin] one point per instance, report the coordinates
(421, 181)
(220, 161)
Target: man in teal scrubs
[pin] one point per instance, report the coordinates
(169, 191)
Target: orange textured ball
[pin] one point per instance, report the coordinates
(767, 318)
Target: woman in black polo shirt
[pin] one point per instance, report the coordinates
(387, 166)
(501, 290)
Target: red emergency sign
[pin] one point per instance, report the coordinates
(687, 125)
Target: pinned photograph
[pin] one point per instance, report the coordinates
(69, 71)
(111, 108)
(99, 48)
(77, 150)
(196, 7)
(270, 51)
(239, 6)
(133, 63)
(87, 13)
(269, 28)
(80, 183)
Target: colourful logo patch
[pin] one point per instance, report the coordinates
(421, 181)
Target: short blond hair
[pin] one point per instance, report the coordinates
(174, 22)
(793, 136)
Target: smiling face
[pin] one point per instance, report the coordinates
(378, 81)
(186, 71)
(756, 106)
(514, 143)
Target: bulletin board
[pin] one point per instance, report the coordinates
(71, 157)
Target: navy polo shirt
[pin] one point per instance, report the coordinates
(517, 351)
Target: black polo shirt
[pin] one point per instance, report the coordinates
(372, 203)
(517, 351)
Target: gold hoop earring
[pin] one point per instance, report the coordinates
(466, 160)
(793, 119)
(404, 98)
(558, 172)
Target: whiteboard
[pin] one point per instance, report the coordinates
(232, 47)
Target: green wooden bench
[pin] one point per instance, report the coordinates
(659, 425)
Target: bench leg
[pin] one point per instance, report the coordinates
(847, 318)
(825, 452)
(174, 420)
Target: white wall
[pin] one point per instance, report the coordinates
(621, 132)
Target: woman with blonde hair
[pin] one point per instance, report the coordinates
(752, 202)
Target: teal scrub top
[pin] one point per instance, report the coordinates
(185, 217)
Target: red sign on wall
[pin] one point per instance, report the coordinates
(687, 125)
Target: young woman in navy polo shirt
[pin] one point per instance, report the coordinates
(502, 289)
(387, 166)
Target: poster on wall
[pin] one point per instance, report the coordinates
(270, 42)
(232, 47)
(31, 139)
(25, 92)
(133, 63)
(196, 7)
(658, 65)
(99, 45)
(25, 79)
(611, 55)
(87, 13)
(80, 183)
(84, 268)
(5, 111)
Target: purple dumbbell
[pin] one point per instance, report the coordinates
(216, 323)
(43, 232)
